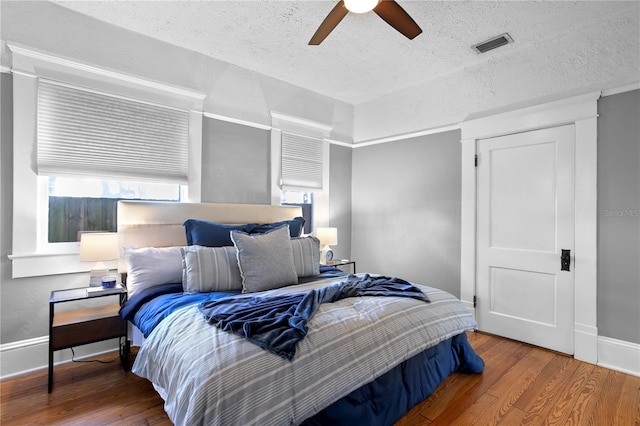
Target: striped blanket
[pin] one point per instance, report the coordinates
(211, 377)
(278, 323)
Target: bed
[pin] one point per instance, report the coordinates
(236, 335)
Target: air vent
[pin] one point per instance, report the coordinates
(493, 43)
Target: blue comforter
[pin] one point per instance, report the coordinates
(278, 323)
(147, 308)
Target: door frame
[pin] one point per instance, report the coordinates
(581, 112)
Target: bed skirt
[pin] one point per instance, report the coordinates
(385, 400)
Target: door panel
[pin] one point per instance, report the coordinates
(525, 218)
(530, 198)
(522, 294)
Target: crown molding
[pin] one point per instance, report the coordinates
(237, 121)
(621, 89)
(407, 135)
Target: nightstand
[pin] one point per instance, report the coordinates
(344, 262)
(89, 325)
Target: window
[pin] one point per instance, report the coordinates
(76, 121)
(76, 205)
(301, 162)
(81, 131)
(300, 167)
(301, 199)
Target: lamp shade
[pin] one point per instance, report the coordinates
(327, 236)
(98, 246)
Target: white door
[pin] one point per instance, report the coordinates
(525, 219)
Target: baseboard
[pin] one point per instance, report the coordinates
(26, 356)
(619, 355)
(585, 343)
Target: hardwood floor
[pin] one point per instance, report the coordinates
(521, 384)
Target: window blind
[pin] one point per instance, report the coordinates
(83, 132)
(301, 162)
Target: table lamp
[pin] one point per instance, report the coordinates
(328, 237)
(98, 247)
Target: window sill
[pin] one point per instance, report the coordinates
(43, 264)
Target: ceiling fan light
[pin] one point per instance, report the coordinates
(360, 6)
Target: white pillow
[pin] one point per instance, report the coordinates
(151, 266)
(206, 269)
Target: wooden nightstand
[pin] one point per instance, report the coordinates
(89, 325)
(344, 262)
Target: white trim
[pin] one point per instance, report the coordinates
(406, 136)
(194, 186)
(32, 255)
(585, 340)
(263, 126)
(619, 355)
(5, 69)
(581, 111)
(345, 144)
(28, 60)
(565, 111)
(29, 355)
(468, 224)
(470, 308)
(321, 199)
(50, 264)
(237, 121)
(291, 123)
(586, 241)
(621, 89)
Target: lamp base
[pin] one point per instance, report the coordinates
(95, 276)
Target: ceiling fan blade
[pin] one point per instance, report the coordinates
(398, 18)
(330, 22)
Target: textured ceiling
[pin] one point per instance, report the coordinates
(363, 58)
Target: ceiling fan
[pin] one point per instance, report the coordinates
(388, 10)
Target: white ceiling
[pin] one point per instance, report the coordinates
(363, 58)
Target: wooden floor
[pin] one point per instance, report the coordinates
(521, 384)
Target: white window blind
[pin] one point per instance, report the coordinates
(83, 132)
(301, 162)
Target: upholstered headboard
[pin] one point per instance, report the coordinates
(159, 224)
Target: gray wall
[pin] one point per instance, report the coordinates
(406, 209)
(340, 198)
(619, 216)
(235, 163)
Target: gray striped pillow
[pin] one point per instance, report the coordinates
(306, 256)
(206, 269)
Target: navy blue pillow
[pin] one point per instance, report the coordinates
(209, 234)
(296, 225)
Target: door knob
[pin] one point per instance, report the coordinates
(565, 260)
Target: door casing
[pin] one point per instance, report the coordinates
(581, 111)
